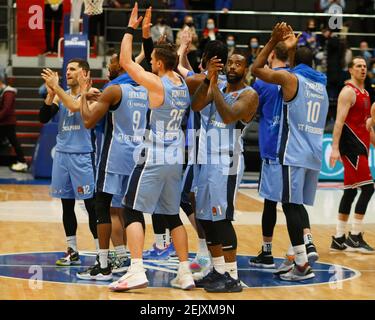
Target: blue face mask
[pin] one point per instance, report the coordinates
(230, 43)
(373, 71)
(254, 45)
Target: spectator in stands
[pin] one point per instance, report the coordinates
(365, 52)
(371, 80)
(177, 17)
(224, 6)
(366, 7)
(308, 37)
(254, 49)
(193, 55)
(8, 122)
(161, 29)
(210, 33)
(231, 43)
(53, 11)
(325, 5)
(201, 5)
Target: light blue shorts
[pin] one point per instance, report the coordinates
(113, 183)
(73, 176)
(287, 184)
(217, 189)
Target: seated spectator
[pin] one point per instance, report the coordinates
(371, 78)
(209, 33)
(254, 49)
(193, 53)
(231, 43)
(325, 5)
(308, 37)
(365, 53)
(161, 29)
(8, 122)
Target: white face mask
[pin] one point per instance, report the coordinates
(210, 26)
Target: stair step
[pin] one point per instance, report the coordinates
(27, 135)
(29, 103)
(25, 123)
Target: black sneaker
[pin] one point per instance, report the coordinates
(96, 273)
(225, 283)
(263, 260)
(355, 243)
(210, 277)
(312, 254)
(338, 244)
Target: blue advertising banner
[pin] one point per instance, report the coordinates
(337, 173)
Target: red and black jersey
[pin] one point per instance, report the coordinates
(355, 139)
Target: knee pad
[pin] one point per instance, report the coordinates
(102, 207)
(347, 200)
(228, 236)
(212, 238)
(173, 221)
(131, 215)
(187, 208)
(363, 200)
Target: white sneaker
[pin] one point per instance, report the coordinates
(19, 167)
(285, 266)
(131, 280)
(298, 273)
(183, 281)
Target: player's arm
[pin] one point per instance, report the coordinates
(147, 79)
(345, 101)
(243, 109)
(183, 63)
(291, 41)
(50, 106)
(52, 79)
(92, 113)
(373, 114)
(202, 96)
(285, 79)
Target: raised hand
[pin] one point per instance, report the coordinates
(134, 21)
(279, 31)
(214, 66)
(290, 39)
(84, 81)
(162, 39)
(146, 24)
(50, 77)
(186, 38)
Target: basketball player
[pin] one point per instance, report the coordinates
(270, 105)
(304, 111)
(127, 105)
(221, 173)
(154, 184)
(351, 142)
(73, 163)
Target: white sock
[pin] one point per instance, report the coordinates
(300, 255)
(290, 251)
(356, 226)
(219, 264)
(340, 228)
(307, 238)
(202, 249)
(136, 265)
(160, 240)
(184, 267)
(231, 268)
(120, 251)
(103, 258)
(96, 244)
(72, 242)
(267, 247)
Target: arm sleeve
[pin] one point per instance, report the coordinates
(46, 112)
(148, 46)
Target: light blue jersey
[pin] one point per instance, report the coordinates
(165, 137)
(124, 131)
(72, 136)
(303, 120)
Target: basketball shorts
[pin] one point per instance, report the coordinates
(73, 176)
(356, 174)
(114, 184)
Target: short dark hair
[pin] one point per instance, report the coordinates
(81, 63)
(281, 51)
(241, 52)
(167, 53)
(216, 48)
(351, 63)
(304, 55)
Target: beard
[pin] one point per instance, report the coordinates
(234, 79)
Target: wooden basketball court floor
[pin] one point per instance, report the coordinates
(30, 221)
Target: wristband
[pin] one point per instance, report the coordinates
(206, 81)
(129, 30)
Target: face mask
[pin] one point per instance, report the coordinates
(254, 45)
(230, 43)
(373, 71)
(162, 21)
(311, 29)
(210, 26)
(189, 23)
